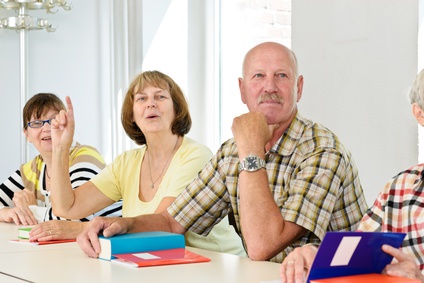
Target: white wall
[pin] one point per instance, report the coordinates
(358, 57)
(65, 62)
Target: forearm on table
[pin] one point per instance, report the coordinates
(155, 222)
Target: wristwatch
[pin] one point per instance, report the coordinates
(252, 163)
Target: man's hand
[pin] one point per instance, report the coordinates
(251, 133)
(88, 240)
(405, 265)
(297, 264)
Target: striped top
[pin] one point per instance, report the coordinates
(400, 208)
(84, 163)
(312, 177)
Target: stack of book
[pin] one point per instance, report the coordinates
(147, 249)
(23, 232)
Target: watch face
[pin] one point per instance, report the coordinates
(252, 162)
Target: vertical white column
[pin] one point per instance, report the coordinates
(23, 37)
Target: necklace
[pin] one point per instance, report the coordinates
(152, 186)
(48, 177)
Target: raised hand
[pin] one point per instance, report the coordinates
(63, 127)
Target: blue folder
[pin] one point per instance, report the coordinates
(353, 253)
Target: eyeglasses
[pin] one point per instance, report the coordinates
(39, 123)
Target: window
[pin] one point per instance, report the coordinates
(244, 24)
(201, 45)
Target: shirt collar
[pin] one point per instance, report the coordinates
(287, 143)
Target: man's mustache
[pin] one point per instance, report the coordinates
(270, 96)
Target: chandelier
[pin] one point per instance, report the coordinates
(22, 22)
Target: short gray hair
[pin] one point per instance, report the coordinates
(416, 95)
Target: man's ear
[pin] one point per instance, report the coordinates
(299, 87)
(240, 82)
(418, 113)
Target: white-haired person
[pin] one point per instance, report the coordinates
(399, 207)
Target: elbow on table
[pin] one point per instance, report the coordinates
(258, 254)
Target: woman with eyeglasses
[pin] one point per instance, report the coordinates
(25, 195)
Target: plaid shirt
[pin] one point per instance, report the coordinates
(311, 176)
(400, 208)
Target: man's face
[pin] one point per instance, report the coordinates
(269, 84)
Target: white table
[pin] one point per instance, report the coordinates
(4, 278)
(67, 263)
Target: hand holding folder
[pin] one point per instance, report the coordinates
(353, 253)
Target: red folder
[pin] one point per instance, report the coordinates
(26, 241)
(365, 278)
(163, 257)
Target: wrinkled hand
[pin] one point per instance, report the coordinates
(56, 230)
(405, 265)
(18, 215)
(21, 213)
(297, 264)
(24, 198)
(88, 240)
(63, 127)
(251, 132)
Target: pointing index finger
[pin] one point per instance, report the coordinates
(69, 106)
